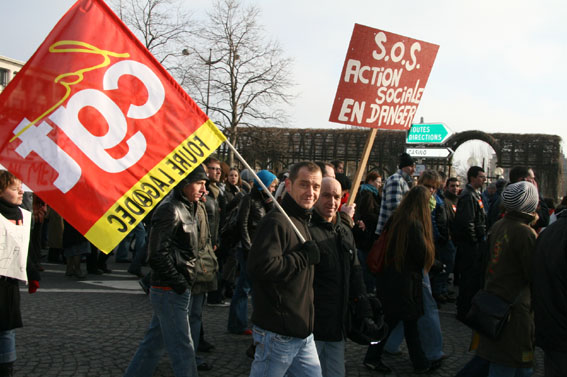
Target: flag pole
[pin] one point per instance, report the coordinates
(301, 238)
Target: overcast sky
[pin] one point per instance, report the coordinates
(500, 65)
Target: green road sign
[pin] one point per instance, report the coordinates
(428, 133)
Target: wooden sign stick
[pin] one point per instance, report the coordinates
(362, 167)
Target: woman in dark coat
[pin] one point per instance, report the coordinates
(233, 193)
(233, 186)
(367, 209)
(366, 217)
(509, 276)
(410, 251)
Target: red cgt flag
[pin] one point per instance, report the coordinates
(98, 128)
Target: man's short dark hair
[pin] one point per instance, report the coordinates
(473, 172)
(518, 173)
(311, 166)
(500, 184)
(336, 163)
(210, 159)
(323, 165)
(451, 179)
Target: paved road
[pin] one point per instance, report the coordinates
(93, 327)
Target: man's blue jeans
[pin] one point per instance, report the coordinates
(169, 330)
(7, 346)
(238, 313)
(278, 355)
(440, 282)
(331, 357)
(196, 320)
(140, 250)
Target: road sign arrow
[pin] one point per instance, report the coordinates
(430, 152)
(428, 133)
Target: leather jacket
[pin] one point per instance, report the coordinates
(173, 243)
(469, 225)
(214, 204)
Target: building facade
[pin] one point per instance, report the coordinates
(8, 69)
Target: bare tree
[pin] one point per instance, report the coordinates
(163, 26)
(240, 77)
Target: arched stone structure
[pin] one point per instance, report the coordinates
(277, 148)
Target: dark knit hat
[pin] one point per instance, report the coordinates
(520, 197)
(197, 174)
(344, 181)
(406, 160)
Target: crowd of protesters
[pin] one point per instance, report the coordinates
(217, 238)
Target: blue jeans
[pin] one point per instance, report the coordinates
(440, 282)
(278, 355)
(196, 320)
(238, 312)
(122, 251)
(428, 324)
(140, 252)
(7, 346)
(499, 370)
(331, 357)
(169, 330)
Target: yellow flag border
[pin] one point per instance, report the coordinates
(143, 196)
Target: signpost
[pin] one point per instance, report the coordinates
(430, 152)
(428, 133)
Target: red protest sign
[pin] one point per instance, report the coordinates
(98, 128)
(382, 80)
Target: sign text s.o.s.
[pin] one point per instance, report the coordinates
(382, 80)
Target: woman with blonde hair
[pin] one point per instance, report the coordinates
(410, 251)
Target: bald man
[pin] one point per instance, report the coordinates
(338, 281)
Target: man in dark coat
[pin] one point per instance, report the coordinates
(173, 247)
(549, 295)
(280, 266)
(337, 283)
(469, 230)
(215, 203)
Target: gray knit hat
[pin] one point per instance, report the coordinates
(246, 175)
(521, 197)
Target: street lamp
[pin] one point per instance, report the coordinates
(208, 62)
